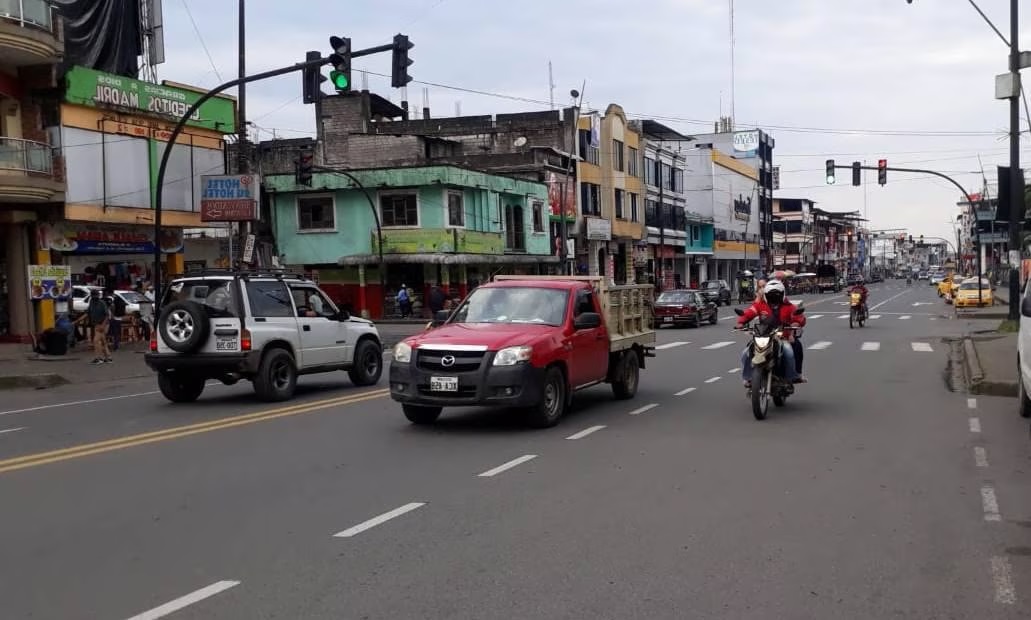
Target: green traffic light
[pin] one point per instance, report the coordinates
(340, 80)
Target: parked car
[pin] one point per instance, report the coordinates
(716, 291)
(529, 343)
(267, 328)
(1024, 354)
(81, 295)
(921, 275)
(936, 277)
(684, 307)
(968, 294)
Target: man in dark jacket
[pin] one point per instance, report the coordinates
(437, 299)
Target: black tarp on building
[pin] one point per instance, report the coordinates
(102, 34)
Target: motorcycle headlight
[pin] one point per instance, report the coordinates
(510, 356)
(402, 352)
(762, 341)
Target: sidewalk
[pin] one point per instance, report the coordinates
(990, 363)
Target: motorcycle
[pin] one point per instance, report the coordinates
(765, 350)
(856, 313)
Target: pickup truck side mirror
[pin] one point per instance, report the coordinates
(587, 320)
(343, 315)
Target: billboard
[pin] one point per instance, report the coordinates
(229, 197)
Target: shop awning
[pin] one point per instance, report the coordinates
(449, 259)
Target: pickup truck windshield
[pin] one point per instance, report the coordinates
(542, 306)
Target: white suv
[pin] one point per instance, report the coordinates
(1024, 352)
(265, 327)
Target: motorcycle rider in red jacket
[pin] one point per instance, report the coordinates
(782, 311)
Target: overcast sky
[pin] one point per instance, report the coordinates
(852, 80)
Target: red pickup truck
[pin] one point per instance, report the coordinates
(527, 342)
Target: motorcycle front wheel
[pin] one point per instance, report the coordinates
(760, 393)
(851, 318)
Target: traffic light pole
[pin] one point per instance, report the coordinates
(163, 166)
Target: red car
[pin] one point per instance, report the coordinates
(684, 307)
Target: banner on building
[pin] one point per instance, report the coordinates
(229, 197)
(88, 238)
(559, 188)
(776, 178)
(598, 229)
(743, 207)
(50, 282)
(746, 142)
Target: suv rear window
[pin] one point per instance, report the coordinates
(216, 296)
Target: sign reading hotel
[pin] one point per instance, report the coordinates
(229, 198)
(107, 90)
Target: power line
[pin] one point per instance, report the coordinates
(200, 37)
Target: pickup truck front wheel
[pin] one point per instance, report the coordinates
(553, 403)
(625, 385)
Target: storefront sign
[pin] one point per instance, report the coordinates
(85, 238)
(97, 89)
(50, 282)
(229, 198)
(559, 186)
(746, 141)
(598, 229)
(432, 241)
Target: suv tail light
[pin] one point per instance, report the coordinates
(153, 340)
(245, 340)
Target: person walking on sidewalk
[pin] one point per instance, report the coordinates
(118, 314)
(99, 314)
(404, 302)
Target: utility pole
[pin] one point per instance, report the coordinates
(242, 162)
(660, 271)
(1016, 195)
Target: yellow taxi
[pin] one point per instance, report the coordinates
(948, 287)
(967, 295)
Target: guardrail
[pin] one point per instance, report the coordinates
(26, 155)
(28, 13)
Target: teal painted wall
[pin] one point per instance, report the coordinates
(705, 240)
(354, 219)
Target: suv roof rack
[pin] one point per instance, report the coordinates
(244, 273)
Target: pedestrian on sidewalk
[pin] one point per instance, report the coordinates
(99, 315)
(404, 302)
(118, 315)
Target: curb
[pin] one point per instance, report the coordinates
(37, 381)
(975, 374)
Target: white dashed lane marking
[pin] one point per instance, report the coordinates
(585, 432)
(381, 519)
(644, 409)
(905, 317)
(1005, 593)
(685, 391)
(922, 347)
(713, 379)
(717, 345)
(990, 504)
(670, 345)
(817, 346)
(980, 456)
(185, 601)
(975, 425)
(871, 346)
(972, 403)
(507, 466)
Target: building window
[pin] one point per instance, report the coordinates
(632, 162)
(515, 229)
(678, 180)
(619, 204)
(617, 155)
(587, 152)
(696, 233)
(634, 215)
(667, 176)
(651, 213)
(399, 210)
(315, 214)
(538, 216)
(590, 198)
(649, 171)
(455, 209)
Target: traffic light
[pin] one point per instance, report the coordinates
(857, 173)
(882, 171)
(312, 79)
(399, 75)
(910, 239)
(304, 166)
(830, 172)
(341, 61)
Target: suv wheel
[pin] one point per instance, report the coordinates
(277, 376)
(421, 415)
(368, 363)
(180, 388)
(184, 326)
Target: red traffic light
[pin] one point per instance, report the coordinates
(882, 163)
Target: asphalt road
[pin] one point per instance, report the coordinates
(874, 493)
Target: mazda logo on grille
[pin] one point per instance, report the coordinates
(447, 360)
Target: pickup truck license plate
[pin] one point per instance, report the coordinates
(443, 384)
(223, 343)
(667, 319)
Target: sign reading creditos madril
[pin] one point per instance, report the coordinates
(99, 89)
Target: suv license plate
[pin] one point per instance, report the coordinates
(225, 344)
(443, 384)
(667, 319)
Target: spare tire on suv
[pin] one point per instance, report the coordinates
(184, 326)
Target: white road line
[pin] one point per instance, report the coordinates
(887, 300)
(875, 316)
(990, 504)
(13, 430)
(383, 518)
(818, 346)
(713, 379)
(685, 391)
(185, 601)
(975, 425)
(644, 409)
(816, 316)
(506, 466)
(980, 456)
(727, 318)
(971, 403)
(670, 345)
(77, 402)
(842, 316)
(585, 432)
(905, 317)
(718, 345)
(871, 346)
(1005, 593)
(922, 347)
(733, 370)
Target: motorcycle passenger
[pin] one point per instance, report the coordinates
(860, 287)
(782, 313)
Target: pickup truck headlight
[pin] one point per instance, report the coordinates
(402, 352)
(511, 356)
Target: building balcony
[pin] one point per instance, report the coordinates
(27, 172)
(27, 34)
